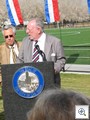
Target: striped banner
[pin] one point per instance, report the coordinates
(51, 11)
(14, 12)
(88, 2)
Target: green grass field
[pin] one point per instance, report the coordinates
(76, 82)
(76, 42)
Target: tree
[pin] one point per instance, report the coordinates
(69, 9)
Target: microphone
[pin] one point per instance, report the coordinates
(41, 52)
(37, 47)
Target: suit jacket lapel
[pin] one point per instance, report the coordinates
(30, 50)
(47, 47)
(6, 53)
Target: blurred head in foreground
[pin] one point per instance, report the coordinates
(56, 104)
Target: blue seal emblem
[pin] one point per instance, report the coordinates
(28, 82)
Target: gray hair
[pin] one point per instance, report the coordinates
(57, 105)
(6, 27)
(39, 22)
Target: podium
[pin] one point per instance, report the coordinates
(16, 106)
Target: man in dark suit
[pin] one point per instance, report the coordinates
(50, 45)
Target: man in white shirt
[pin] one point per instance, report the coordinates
(50, 45)
(6, 53)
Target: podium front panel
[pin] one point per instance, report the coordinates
(15, 106)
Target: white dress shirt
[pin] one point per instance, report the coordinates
(41, 43)
(15, 48)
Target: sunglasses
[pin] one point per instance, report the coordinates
(7, 36)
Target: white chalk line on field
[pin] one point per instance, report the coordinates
(82, 44)
(67, 33)
(77, 45)
(70, 33)
(78, 57)
(76, 49)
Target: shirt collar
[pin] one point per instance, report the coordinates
(43, 36)
(12, 46)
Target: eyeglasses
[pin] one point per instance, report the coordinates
(8, 36)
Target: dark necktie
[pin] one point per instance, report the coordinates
(35, 56)
(13, 54)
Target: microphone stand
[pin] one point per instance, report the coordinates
(43, 55)
(41, 52)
